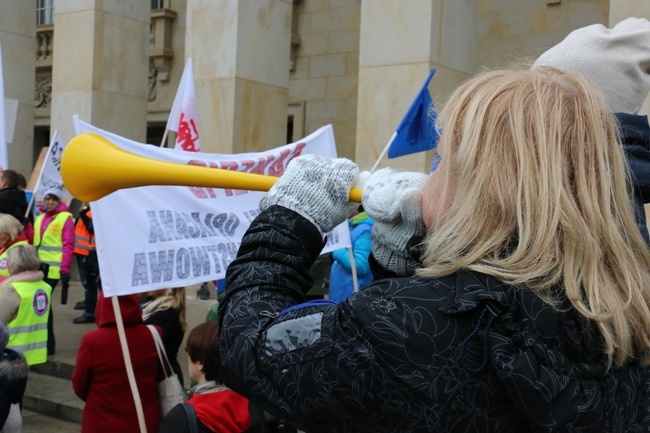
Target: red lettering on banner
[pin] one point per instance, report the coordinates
(262, 163)
(187, 134)
(228, 165)
(277, 168)
(247, 165)
(267, 165)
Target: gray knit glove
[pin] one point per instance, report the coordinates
(316, 188)
(394, 200)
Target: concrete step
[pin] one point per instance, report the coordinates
(52, 396)
(60, 369)
(34, 422)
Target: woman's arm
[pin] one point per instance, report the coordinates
(82, 369)
(9, 303)
(67, 238)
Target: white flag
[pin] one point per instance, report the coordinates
(153, 237)
(182, 117)
(3, 122)
(50, 175)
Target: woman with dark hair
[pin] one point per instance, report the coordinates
(216, 408)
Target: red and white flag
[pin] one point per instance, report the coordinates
(182, 117)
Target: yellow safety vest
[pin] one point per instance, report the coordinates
(28, 331)
(4, 267)
(50, 248)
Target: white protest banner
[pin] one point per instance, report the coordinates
(154, 237)
(50, 174)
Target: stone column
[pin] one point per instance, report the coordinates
(400, 43)
(240, 54)
(100, 66)
(18, 39)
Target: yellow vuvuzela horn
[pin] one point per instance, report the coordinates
(92, 167)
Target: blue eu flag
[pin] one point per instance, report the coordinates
(416, 132)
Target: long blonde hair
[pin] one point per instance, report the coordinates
(537, 182)
(165, 299)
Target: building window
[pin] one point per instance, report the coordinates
(44, 12)
(157, 4)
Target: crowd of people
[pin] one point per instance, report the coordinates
(508, 290)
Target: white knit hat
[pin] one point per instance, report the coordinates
(616, 61)
(55, 190)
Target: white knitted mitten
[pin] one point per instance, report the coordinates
(394, 200)
(316, 188)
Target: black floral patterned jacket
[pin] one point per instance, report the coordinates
(464, 353)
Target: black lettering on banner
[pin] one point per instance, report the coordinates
(181, 226)
(206, 223)
(251, 214)
(140, 272)
(226, 223)
(200, 261)
(228, 252)
(332, 238)
(56, 151)
(171, 225)
(156, 231)
(161, 265)
(167, 265)
(167, 221)
(183, 263)
(212, 249)
(193, 228)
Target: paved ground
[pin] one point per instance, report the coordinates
(36, 423)
(68, 336)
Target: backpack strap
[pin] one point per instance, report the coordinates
(191, 416)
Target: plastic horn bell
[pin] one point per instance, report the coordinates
(92, 167)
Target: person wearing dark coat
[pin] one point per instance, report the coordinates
(100, 377)
(520, 292)
(635, 137)
(13, 376)
(165, 308)
(13, 201)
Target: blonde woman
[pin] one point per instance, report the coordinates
(523, 306)
(11, 234)
(166, 308)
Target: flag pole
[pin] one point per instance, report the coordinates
(164, 138)
(40, 176)
(29, 205)
(353, 268)
(129, 366)
(383, 152)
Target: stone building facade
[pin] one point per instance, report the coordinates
(266, 72)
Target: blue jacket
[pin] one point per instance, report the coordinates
(635, 135)
(341, 283)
